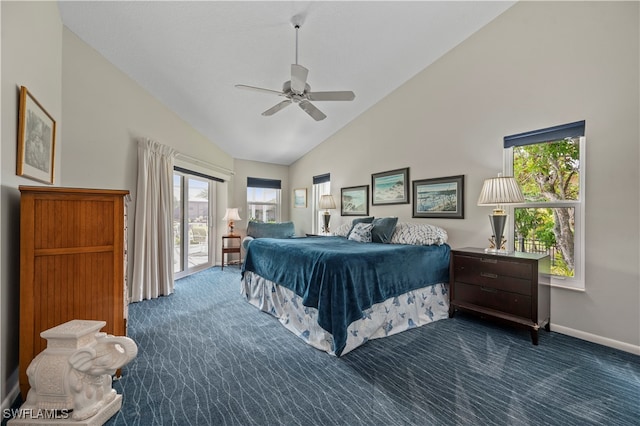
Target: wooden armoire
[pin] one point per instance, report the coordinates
(72, 263)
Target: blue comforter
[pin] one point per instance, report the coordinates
(342, 278)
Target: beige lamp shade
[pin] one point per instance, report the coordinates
(500, 190)
(231, 216)
(327, 202)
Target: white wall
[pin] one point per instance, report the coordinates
(537, 65)
(31, 57)
(105, 113)
(244, 169)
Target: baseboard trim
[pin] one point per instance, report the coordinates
(12, 383)
(594, 338)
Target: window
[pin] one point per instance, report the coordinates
(321, 186)
(263, 199)
(549, 167)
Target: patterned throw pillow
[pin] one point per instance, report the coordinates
(361, 232)
(419, 234)
(359, 220)
(342, 230)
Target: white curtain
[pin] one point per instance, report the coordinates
(153, 234)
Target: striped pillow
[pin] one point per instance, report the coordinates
(419, 234)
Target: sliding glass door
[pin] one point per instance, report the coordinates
(193, 225)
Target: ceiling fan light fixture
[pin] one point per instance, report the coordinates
(297, 90)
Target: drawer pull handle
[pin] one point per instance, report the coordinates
(489, 289)
(488, 275)
(488, 260)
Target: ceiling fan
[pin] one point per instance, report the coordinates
(298, 91)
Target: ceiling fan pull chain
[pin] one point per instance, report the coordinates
(297, 28)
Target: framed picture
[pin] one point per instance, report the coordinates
(36, 139)
(354, 201)
(439, 198)
(390, 187)
(300, 198)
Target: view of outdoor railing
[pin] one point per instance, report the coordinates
(535, 246)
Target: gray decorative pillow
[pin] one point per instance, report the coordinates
(383, 229)
(361, 232)
(359, 220)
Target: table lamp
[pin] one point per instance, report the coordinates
(497, 192)
(327, 202)
(230, 216)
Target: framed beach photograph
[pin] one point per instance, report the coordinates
(36, 139)
(390, 187)
(354, 201)
(300, 198)
(439, 198)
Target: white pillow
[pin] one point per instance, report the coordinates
(361, 232)
(342, 230)
(422, 234)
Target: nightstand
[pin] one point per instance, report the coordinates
(229, 246)
(513, 287)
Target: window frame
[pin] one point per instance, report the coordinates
(318, 190)
(185, 175)
(321, 186)
(267, 184)
(577, 282)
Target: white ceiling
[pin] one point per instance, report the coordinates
(190, 55)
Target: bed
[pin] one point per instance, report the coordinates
(336, 293)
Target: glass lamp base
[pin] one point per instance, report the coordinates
(326, 218)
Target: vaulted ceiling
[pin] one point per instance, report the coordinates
(190, 56)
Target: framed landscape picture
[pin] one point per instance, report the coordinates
(300, 198)
(390, 187)
(36, 140)
(439, 198)
(354, 201)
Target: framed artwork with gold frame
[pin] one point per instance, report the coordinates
(36, 140)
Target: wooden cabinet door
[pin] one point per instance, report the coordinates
(71, 263)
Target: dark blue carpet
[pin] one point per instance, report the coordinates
(207, 357)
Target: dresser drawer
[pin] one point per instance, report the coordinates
(500, 275)
(495, 266)
(488, 297)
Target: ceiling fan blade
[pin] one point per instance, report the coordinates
(259, 89)
(331, 96)
(298, 78)
(277, 107)
(310, 109)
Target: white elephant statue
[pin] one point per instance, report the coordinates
(72, 376)
(92, 368)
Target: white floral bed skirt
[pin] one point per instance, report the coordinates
(412, 309)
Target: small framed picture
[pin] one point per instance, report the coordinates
(300, 198)
(354, 201)
(36, 140)
(439, 198)
(390, 187)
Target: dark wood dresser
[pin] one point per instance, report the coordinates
(513, 287)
